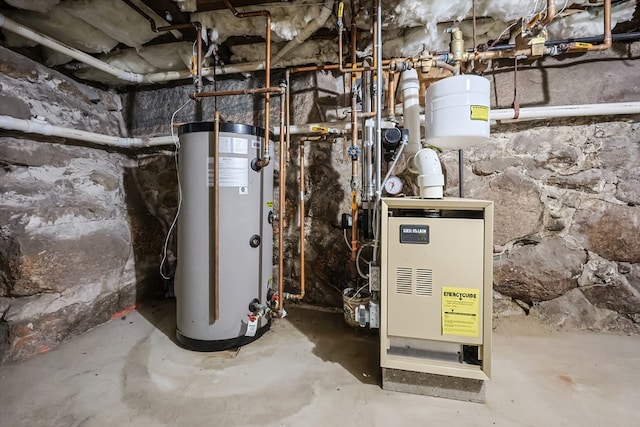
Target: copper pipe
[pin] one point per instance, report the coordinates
(199, 59)
(392, 95)
(281, 207)
(266, 156)
(607, 29)
(302, 215)
(354, 178)
(300, 295)
(252, 91)
(287, 106)
(327, 67)
(551, 13)
(216, 216)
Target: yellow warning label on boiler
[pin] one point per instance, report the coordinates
(269, 204)
(480, 112)
(461, 312)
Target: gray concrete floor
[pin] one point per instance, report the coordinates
(309, 370)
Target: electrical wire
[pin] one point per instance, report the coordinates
(393, 165)
(176, 142)
(344, 233)
(364, 276)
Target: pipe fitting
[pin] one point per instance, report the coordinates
(430, 178)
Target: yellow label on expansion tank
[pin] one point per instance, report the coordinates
(461, 312)
(480, 112)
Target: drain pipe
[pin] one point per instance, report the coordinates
(41, 127)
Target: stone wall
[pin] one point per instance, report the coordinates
(566, 195)
(77, 246)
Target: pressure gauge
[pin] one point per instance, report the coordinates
(393, 185)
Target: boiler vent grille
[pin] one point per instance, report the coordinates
(405, 281)
(424, 282)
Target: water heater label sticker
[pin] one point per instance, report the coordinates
(480, 112)
(252, 327)
(240, 146)
(234, 172)
(461, 312)
(225, 144)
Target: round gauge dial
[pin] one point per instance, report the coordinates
(393, 185)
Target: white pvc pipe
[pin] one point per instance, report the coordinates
(410, 86)
(549, 112)
(246, 67)
(41, 127)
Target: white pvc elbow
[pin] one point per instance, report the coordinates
(430, 177)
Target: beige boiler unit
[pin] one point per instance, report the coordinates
(436, 295)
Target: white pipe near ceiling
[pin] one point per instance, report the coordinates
(41, 127)
(246, 67)
(555, 111)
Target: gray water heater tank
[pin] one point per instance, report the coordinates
(245, 236)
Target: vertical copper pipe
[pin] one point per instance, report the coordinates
(216, 215)
(354, 178)
(287, 106)
(281, 206)
(392, 95)
(302, 215)
(199, 58)
(266, 156)
(551, 13)
(607, 28)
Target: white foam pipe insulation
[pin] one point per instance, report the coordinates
(44, 40)
(312, 27)
(41, 127)
(158, 77)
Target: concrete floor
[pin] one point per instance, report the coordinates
(310, 370)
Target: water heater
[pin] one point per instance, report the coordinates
(214, 311)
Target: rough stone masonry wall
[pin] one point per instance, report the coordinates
(567, 196)
(77, 246)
